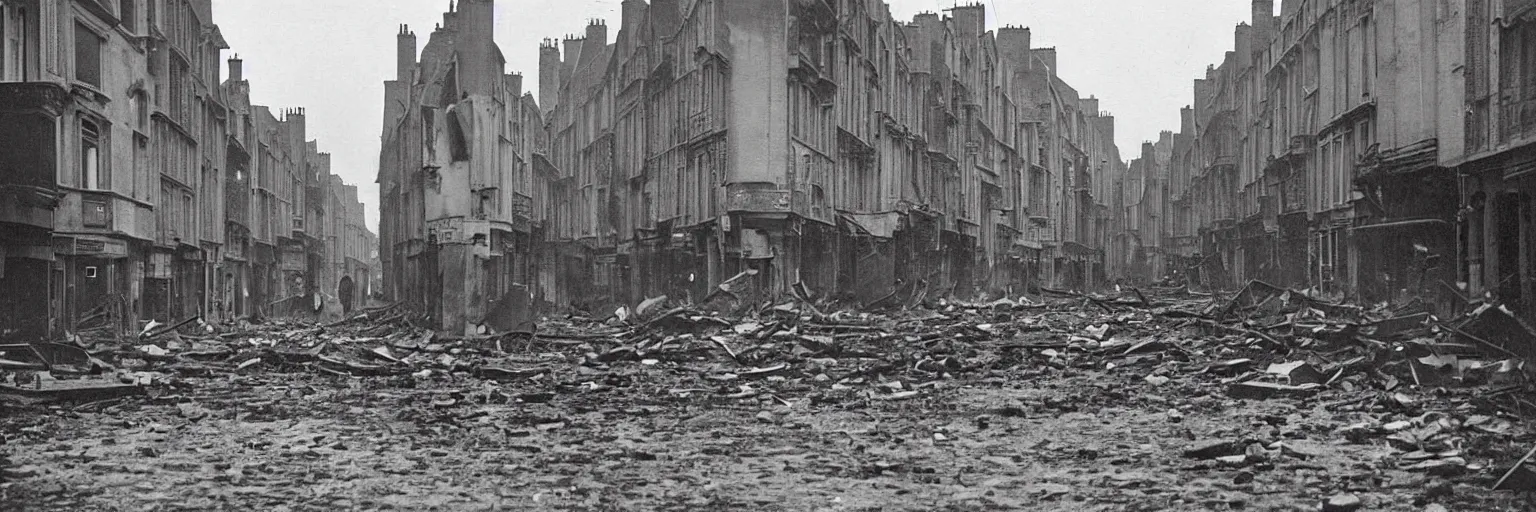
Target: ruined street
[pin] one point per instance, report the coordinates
(765, 255)
(1163, 400)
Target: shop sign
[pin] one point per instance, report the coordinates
(90, 246)
(760, 200)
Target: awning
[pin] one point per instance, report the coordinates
(1029, 244)
(882, 225)
(1077, 249)
(1412, 223)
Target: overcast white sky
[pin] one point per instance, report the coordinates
(332, 56)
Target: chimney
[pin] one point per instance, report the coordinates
(236, 69)
(549, 75)
(1013, 44)
(572, 52)
(1186, 121)
(597, 32)
(632, 14)
(515, 85)
(970, 20)
(477, 71)
(1263, 21)
(1242, 44)
(1106, 126)
(450, 18)
(298, 128)
(405, 54)
(1048, 57)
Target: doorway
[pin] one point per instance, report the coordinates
(1508, 221)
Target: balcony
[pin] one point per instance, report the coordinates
(1517, 119)
(46, 98)
(1223, 162)
(522, 210)
(758, 200)
(815, 15)
(28, 205)
(700, 124)
(29, 114)
(1302, 145)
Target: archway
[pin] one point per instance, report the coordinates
(345, 291)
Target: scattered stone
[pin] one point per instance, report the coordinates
(1268, 390)
(1299, 449)
(192, 412)
(21, 472)
(1342, 503)
(1233, 460)
(1449, 466)
(1213, 449)
(1297, 372)
(1439, 488)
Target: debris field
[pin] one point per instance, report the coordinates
(1160, 399)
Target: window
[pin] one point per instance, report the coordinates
(128, 14)
(1367, 48)
(178, 92)
(188, 218)
(87, 56)
(140, 110)
(6, 49)
(92, 176)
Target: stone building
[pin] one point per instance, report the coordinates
(1322, 152)
(76, 210)
(296, 234)
(875, 159)
(1497, 156)
(121, 164)
(800, 147)
(457, 177)
(1138, 249)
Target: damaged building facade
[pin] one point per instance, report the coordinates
(1376, 151)
(785, 147)
(458, 178)
(1497, 162)
(119, 158)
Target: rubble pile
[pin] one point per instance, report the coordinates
(1267, 391)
